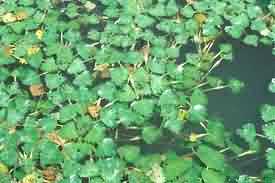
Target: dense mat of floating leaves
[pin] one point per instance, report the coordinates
(84, 83)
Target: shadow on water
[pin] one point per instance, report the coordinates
(255, 67)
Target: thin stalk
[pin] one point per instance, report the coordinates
(216, 64)
(216, 88)
(224, 150)
(260, 135)
(198, 86)
(249, 152)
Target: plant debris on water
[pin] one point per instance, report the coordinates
(83, 84)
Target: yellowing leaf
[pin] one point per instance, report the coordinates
(21, 15)
(33, 50)
(29, 179)
(103, 70)
(156, 174)
(22, 61)
(3, 169)
(8, 18)
(200, 18)
(183, 114)
(39, 34)
(90, 6)
(194, 137)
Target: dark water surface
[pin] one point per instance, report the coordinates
(255, 67)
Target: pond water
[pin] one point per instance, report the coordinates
(255, 67)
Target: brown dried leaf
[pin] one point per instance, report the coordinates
(146, 52)
(9, 50)
(103, 70)
(56, 139)
(37, 90)
(131, 69)
(49, 174)
(94, 110)
(101, 67)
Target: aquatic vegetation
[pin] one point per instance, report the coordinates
(85, 85)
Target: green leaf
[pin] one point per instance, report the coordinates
(49, 65)
(269, 131)
(96, 134)
(72, 10)
(126, 94)
(174, 125)
(107, 91)
(83, 79)
(157, 84)
(271, 86)
(268, 176)
(168, 97)
(198, 97)
(50, 154)
(68, 112)
(129, 152)
(77, 151)
(151, 134)
(211, 176)
(106, 148)
(245, 179)
(258, 25)
(251, 40)
(68, 131)
(144, 21)
(248, 133)
(137, 176)
(109, 117)
(144, 107)
(235, 31)
(70, 169)
(76, 67)
(268, 112)
(211, 158)
(133, 57)
(197, 113)
(119, 75)
(111, 170)
(175, 167)
(158, 11)
(173, 52)
(187, 11)
(29, 77)
(157, 66)
(171, 8)
(89, 170)
(48, 124)
(235, 85)
(54, 80)
(270, 157)
(215, 133)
